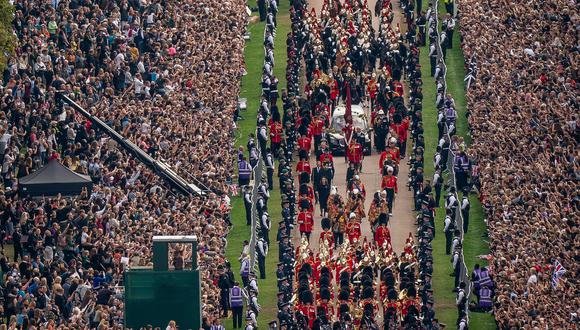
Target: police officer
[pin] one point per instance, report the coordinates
(248, 204)
(438, 184)
(461, 299)
(269, 160)
(448, 229)
(262, 137)
(433, 57)
(465, 206)
(224, 285)
(456, 261)
(265, 227)
(262, 249)
(451, 202)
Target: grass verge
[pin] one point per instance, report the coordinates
(474, 243)
(251, 89)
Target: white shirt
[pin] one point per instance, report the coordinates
(119, 59)
(460, 296)
(465, 203)
(533, 279)
(138, 85)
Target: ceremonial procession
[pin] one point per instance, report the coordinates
(289, 164)
(345, 277)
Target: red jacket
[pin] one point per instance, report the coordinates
(398, 87)
(317, 126)
(382, 234)
(353, 229)
(355, 153)
(306, 221)
(305, 143)
(395, 156)
(400, 130)
(327, 235)
(326, 157)
(390, 182)
(276, 131)
(303, 166)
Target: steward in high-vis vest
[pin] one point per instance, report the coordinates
(237, 304)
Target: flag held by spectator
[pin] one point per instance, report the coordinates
(559, 271)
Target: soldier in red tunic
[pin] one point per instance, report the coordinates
(355, 153)
(305, 222)
(389, 184)
(303, 165)
(326, 235)
(353, 229)
(317, 127)
(276, 131)
(305, 143)
(382, 233)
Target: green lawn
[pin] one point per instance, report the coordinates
(474, 243)
(251, 89)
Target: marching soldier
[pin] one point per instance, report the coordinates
(355, 153)
(389, 184)
(305, 222)
(276, 131)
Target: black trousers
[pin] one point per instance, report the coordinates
(248, 213)
(245, 280)
(450, 39)
(262, 9)
(266, 234)
(448, 240)
(403, 149)
(433, 60)
(224, 301)
(465, 216)
(437, 194)
(275, 147)
(317, 139)
(390, 198)
(270, 174)
(449, 7)
(457, 273)
(237, 311)
(262, 266)
(338, 238)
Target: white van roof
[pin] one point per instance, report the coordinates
(356, 110)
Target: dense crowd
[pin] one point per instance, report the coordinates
(523, 115)
(142, 67)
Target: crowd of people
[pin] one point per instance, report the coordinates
(164, 74)
(345, 63)
(523, 116)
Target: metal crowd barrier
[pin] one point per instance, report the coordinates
(464, 272)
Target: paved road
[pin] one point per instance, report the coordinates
(403, 221)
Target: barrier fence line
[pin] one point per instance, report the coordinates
(464, 277)
(258, 173)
